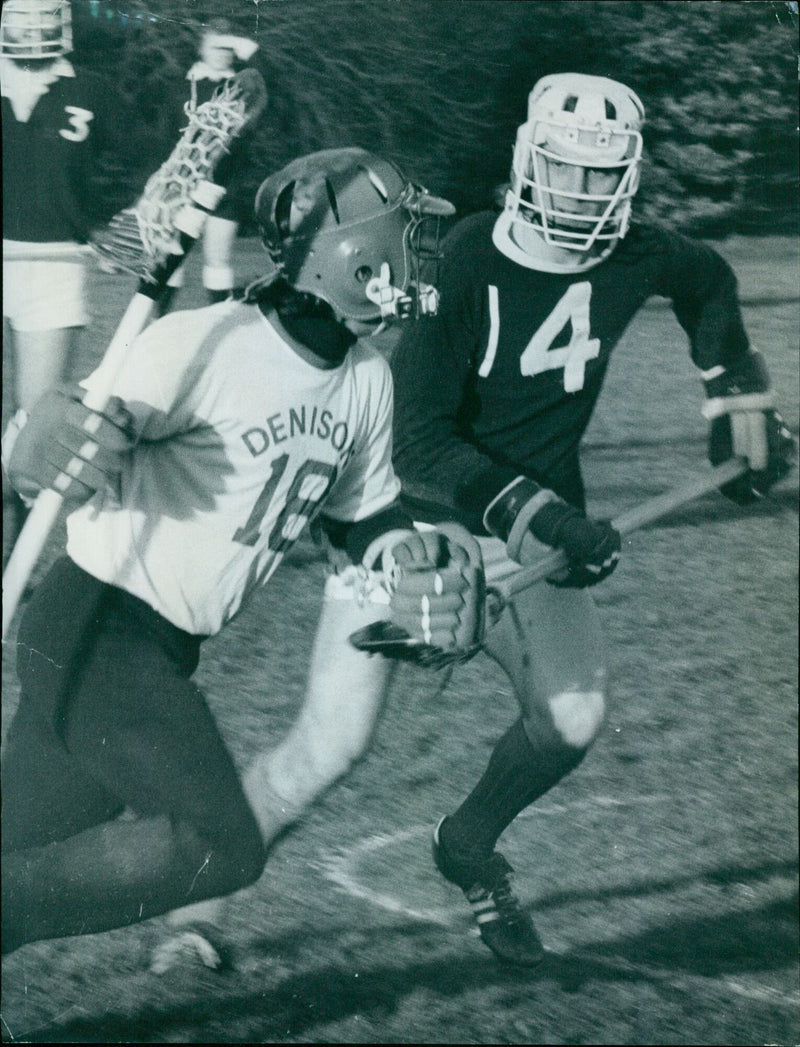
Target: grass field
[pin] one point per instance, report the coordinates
(662, 874)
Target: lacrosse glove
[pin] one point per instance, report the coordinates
(437, 600)
(67, 446)
(524, 508)
(745, 424)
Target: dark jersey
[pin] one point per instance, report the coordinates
(503, 381)
(49, 160)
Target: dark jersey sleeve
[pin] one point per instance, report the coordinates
(58, 163)
(703, 290)
(121, 153)
(444, 475)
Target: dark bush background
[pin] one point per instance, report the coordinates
(440, 86)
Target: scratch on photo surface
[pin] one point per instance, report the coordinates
(206, 860)
(32, 651)
(74, 1009)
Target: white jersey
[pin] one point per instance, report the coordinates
(241, 443)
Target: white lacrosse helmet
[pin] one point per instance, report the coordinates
(349, 228)
(33, 29)
(591, 125)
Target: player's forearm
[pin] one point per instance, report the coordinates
(25, 488)
(704, 291)
(355, 537)
(450, 478)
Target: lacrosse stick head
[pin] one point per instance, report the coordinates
(151, 238)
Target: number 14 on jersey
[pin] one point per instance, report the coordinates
(573, 307)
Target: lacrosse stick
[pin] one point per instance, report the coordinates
(149, 240)
(505, 585)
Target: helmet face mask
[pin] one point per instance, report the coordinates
(349, 228)
(35, 29)
(576, 161)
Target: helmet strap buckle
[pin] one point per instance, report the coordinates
(391, 300)
(427, 300)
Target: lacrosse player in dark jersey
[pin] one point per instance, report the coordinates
(492, 398)
(231, 428)
(56, 120)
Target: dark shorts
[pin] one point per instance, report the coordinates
(109, 719)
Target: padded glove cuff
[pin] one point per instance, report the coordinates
(721, 405)
(508, 516)
(747, 375)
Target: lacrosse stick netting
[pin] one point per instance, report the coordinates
(177, 198)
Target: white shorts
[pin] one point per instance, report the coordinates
(46, 292)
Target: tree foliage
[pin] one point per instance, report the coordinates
(440, 86)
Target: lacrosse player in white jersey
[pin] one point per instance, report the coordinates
(232, 427)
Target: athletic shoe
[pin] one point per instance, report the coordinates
(192, 945)
(502, 923)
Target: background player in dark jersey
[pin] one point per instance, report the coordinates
(222, 52)
(493, 396)
(56, 118)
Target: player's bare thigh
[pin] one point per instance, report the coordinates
(44, 308)
(42, 359)
(550, 643)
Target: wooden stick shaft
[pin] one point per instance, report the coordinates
(631, 520)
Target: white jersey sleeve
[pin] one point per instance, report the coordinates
(160, 376)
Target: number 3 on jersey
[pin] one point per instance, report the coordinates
(573, 307)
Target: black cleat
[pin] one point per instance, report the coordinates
(502, 923)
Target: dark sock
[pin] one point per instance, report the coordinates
(518, 773)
